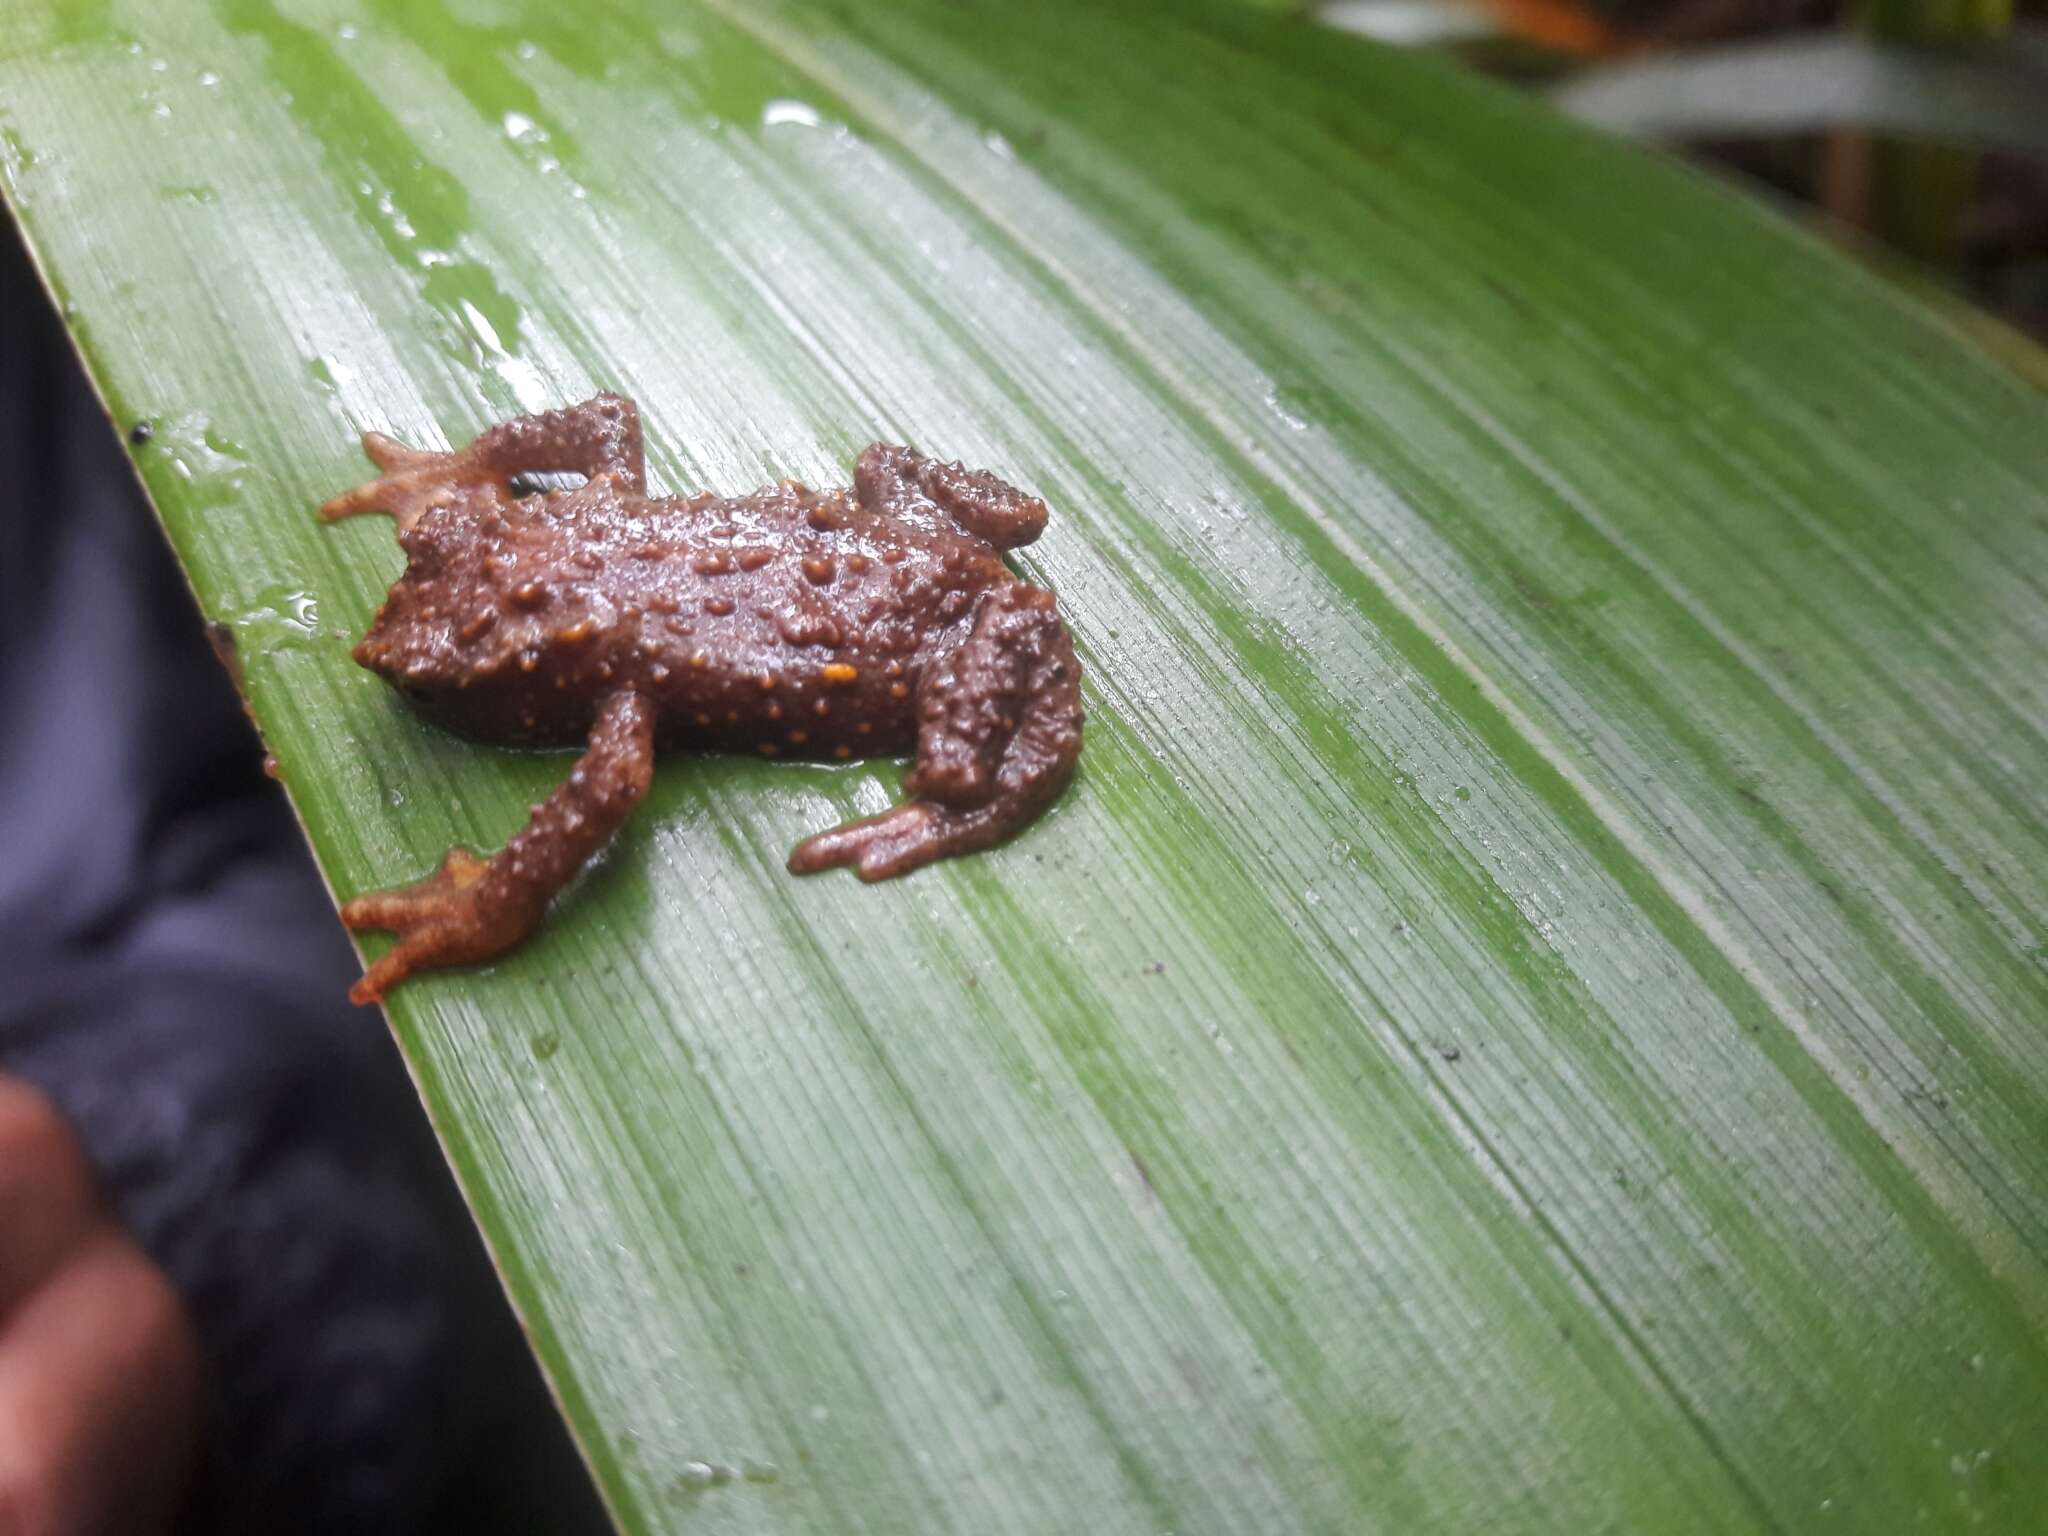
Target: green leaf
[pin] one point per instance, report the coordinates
(1530, 1016)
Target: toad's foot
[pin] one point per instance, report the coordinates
(414, 482)
(469, 909)
(438, 922)
(999, 727)
(896, 842)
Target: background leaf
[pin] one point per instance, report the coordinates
(1985, 94)
(1530, 1015)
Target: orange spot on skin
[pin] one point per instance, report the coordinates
(700, 659)
(754, 559)
(897, 690)
(840, 672)
(798, 738)
(767, 680)
(818, 571)
(768, 749)
(530, 594)
(865, 727)
(569, 634)
(842, 750)
(718, 605)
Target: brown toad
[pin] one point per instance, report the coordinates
(792, 622)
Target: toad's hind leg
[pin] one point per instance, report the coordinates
(999, 728)
(471, 909)
(599, 437)
(904, 483)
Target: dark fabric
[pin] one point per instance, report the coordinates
(172, 974)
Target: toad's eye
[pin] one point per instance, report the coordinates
(538, 482)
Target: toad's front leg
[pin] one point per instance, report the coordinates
(471, 909)
(599, 437)
(999, 728)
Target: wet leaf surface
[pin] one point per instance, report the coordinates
(1530, 1016)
